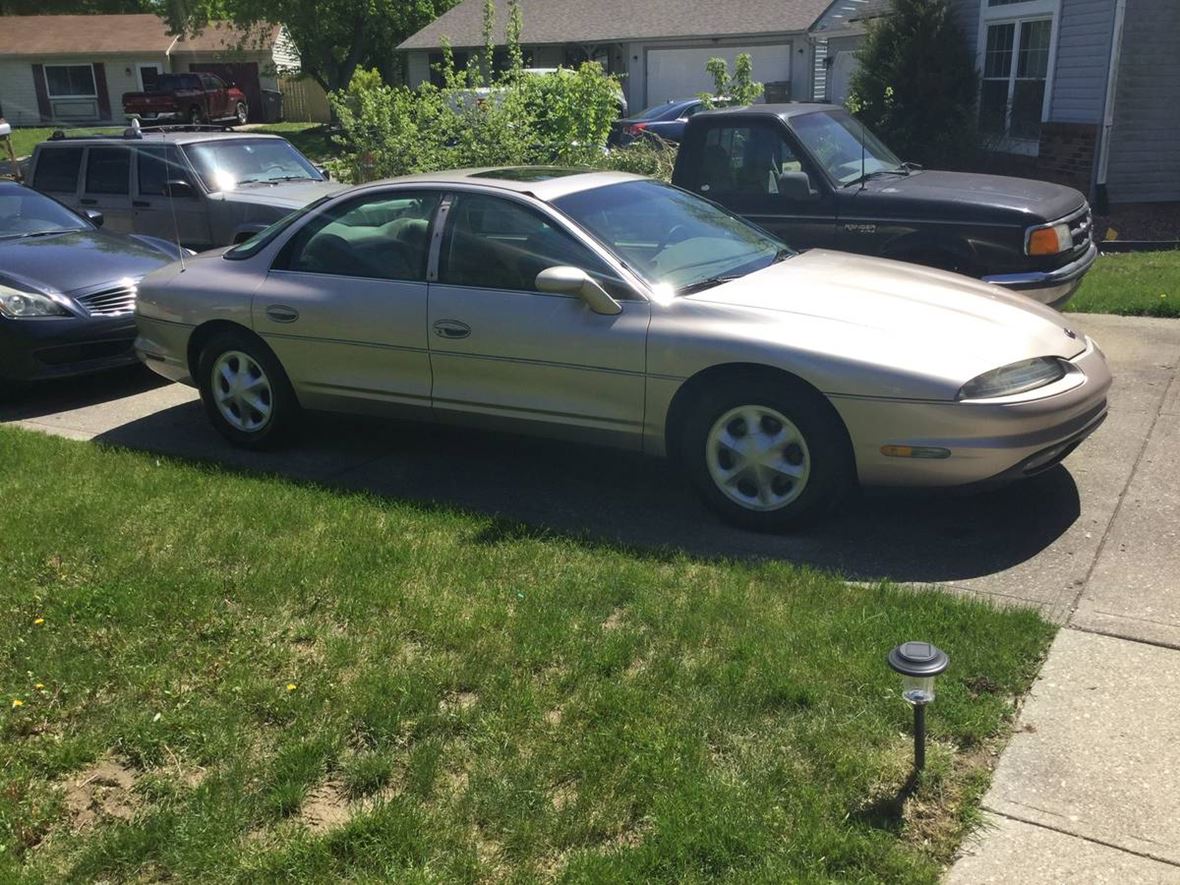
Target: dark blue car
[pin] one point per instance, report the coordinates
(67, 289)
(665, 120)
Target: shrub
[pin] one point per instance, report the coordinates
(917, 85)
(738, 90)
(647, 156)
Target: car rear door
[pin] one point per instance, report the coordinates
(505, 354)
(106, 185)
(57, 171)
(344, 304)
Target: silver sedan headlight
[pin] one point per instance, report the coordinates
(17, 304)
(1015, 378)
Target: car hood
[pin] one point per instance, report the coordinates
(77, 260)
(1040, 200)
(939, 329)
(284, 195)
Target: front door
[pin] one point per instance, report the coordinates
(148, 75)
(344, 305)
(508, 355)
(740, 167)
(171, 213)
(106, 186)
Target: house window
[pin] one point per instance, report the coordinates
(70, 81)
(1016, 49)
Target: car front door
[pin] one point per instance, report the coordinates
(742, 166)
(217, 95)
(344, 304)
(505, 354)
(106, 186)
(166, 199)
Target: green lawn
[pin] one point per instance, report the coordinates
(1134, 284)
(24, 140)
(210, 676)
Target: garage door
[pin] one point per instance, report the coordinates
(680, 73)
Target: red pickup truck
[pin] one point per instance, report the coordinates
(188, 98)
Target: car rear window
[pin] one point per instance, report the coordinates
(57, 170)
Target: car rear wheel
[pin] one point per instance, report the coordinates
(245, 391)
(765, 455)
(194, 116)
(242, 113)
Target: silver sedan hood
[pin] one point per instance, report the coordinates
(928, 323)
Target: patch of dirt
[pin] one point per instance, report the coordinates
(325, 807)
(106, 790)
(1139, 221)
(458, 702)
(614, 620)
(636, 667)
(564, 795)
(553, 717)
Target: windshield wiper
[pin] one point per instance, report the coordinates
(709, 283)
(42, 233)
(903, 170)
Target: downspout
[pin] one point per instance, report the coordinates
(1102, 160)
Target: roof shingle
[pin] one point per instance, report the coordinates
(608, 21)
(104, 34)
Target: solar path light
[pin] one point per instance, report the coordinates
(918, 663)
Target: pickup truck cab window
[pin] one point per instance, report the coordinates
(746, 159)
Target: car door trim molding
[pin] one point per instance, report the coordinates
(318, 339)
(631, 373)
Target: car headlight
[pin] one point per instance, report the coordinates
(17, 304)
(1049, 240)
(1016, 378)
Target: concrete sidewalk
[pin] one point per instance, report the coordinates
(1089, 788)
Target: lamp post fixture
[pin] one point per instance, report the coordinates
(918, 663)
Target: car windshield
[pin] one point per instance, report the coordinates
(676, 241)
(835, 139)
(228, 164)
(251, 247)
(25, 213)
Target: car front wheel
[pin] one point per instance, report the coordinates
(242, 113)
(245, 391)
(768, 457)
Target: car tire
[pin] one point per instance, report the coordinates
(795, 469)
(247, 395)
(241, 113)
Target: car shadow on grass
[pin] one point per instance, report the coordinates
(535, 487)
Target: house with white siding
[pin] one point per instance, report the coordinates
(1079, 91)
(74, 69)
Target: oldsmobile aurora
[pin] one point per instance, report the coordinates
(610, 308)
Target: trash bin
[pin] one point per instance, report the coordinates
(272, 106)
(777, 92)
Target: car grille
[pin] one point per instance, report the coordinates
(109, 302)
(1081, 227)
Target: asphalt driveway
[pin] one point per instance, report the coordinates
(1033, 543)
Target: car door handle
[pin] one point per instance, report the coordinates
(141, 204)
(451, 329)
(280, 313)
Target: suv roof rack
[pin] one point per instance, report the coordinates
(132, 132)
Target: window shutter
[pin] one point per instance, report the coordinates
(42, 93)
(100, 87)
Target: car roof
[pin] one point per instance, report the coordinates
(782, 111)
(543, 182)
(148, 136)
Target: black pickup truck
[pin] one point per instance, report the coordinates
(813, 176)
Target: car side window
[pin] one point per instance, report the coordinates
(57, 170)
(380, 236)
(495, 243)
(156, 166)
(108, 170)
(745, 160)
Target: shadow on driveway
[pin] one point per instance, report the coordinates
(598, 495)
(65, 394)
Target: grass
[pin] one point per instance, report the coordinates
(24, 140)
(1132, 284)
(219, 677)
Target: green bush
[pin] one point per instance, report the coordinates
(917, 86)
(647, 156)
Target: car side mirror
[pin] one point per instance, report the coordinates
(324, 171)
(96, 217)
(796, 186)
(564, 280)
(178, 187)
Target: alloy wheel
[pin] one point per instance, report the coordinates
(757, 458)
(241, 391)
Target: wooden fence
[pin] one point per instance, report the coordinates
(304, 99)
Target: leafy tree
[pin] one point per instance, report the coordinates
(917, 85)
(334, 37)
(738, 90)
(74, 7)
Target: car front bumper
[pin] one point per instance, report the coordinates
(1054, 287)
(41, 349)
(985, 441)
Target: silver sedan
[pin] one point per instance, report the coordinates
(614, 309)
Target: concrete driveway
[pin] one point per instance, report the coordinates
(1035, 543)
